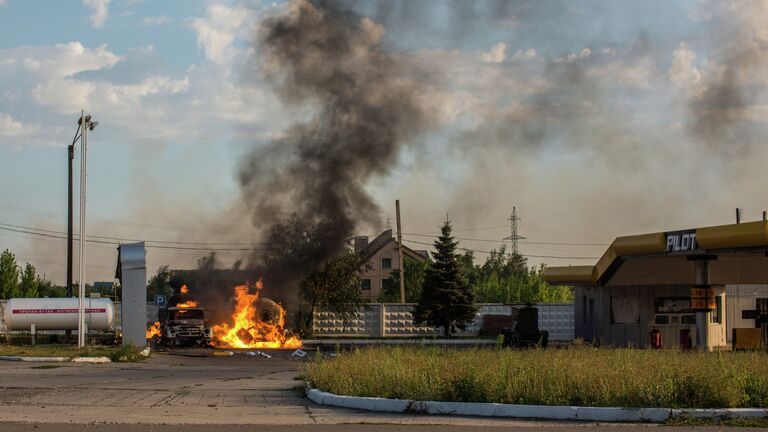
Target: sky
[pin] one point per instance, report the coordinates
(594, 119)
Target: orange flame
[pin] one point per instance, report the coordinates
(249, 330)
(154, 330)
(187, 304)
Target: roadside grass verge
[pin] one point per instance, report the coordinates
(578, 375)
(129, 354)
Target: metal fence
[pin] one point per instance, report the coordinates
(392, 320)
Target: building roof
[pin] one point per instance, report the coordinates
(708, 239)
(386, 238)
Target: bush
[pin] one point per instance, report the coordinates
(580, 375)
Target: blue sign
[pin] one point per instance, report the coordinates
(159, 300)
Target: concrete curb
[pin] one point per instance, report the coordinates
(595, 414)
(35, 359)
(91, 360)
(57, 359)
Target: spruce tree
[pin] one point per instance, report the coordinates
(447, 300)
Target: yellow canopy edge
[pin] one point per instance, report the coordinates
(749, 234)
(640, 244)
(569, 275)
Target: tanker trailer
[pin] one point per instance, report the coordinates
(58, 313)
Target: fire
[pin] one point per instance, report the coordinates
(154, 330)
(256, 323)
(187, 304)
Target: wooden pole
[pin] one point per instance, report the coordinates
(400, 252)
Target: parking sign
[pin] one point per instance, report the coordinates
(159, 300)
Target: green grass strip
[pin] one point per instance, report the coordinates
(580, 375)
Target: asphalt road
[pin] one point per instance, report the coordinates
(181, 393)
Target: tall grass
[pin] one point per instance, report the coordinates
(582, 376)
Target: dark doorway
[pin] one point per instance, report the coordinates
(761, 317)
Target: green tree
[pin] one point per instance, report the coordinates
(160, 283)
(335, 288)
(413, 280)
(46, 288)
(447, 300)
(9, 275)
(29, 282)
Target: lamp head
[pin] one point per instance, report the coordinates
(93, 125)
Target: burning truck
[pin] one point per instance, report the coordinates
(256, 322)
(182, 323)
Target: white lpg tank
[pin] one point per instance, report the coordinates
(58, 313)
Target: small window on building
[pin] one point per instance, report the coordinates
(365, 285)
(387, 285)
(386, 263)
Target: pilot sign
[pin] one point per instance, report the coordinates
(682, 241)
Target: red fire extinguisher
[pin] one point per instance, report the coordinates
(656, 342)
(685, 339)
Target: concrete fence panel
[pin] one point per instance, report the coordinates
(393, 320)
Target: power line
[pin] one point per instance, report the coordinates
(62, 236)
(525, 242)
(525, 255)
(137, 240)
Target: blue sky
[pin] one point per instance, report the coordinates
(612, 91)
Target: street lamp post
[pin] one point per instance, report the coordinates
(86, 125)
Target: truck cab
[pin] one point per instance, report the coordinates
(184, 326)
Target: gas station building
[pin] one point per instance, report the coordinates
(706, 282)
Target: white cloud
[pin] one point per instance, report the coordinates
(521, 55)
(10, 127)
(216, 33)
(683, 73)
(67, 95)
(61, 60)
(156, 20)
(99, 11)
(497, 53)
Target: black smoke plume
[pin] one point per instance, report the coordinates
(306, 190)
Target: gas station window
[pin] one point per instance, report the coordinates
(672, 305)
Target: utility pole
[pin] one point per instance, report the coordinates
(85, 124)
(70, 158)
(513, 236)
(400, 252)
(70, 239)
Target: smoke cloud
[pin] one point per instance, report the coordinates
(721, 112)
(314, 176)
